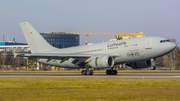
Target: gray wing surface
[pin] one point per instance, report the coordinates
(58, 55)
(80, 58)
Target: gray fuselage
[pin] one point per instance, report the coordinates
(128, 50)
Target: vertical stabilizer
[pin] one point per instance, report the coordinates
(35, 41)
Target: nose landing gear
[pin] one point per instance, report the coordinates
(153, 64)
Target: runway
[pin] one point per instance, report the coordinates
(65, 76)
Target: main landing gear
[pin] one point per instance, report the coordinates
(87, 72)
(90, 72)
(111, 72)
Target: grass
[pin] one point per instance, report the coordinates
(35, 89)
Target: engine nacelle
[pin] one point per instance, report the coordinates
(140, 64)
(101, 62)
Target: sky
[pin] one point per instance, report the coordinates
(152, 17)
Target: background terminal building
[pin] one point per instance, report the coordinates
(61, 39)
(11, 46)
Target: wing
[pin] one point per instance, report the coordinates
(79, 58)
(59, 56)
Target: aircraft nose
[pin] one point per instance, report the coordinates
(172, 46)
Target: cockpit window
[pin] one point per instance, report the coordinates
(162, 41)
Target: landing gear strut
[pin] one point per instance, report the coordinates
(111, 72)
(87, 72)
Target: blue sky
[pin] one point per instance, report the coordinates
(153, 17)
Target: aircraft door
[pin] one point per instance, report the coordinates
(148, 48)
(148, 44)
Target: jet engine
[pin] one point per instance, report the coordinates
(101, 62)
(140, 64)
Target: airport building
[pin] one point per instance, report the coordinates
(11, 46)
(61, 40)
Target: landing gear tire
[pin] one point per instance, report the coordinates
(115, 72)
(111, 72)
(88, 72)
(83, 72)
(91, 72)
(108, 72)
(153, 68)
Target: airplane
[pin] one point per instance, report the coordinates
(135, 52)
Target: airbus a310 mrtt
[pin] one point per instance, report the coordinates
(137, 52)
